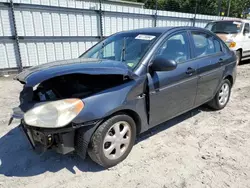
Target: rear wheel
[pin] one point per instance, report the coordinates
(222, 96)
(113, 140)
(238, 57)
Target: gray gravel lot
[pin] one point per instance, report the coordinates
(201, 148)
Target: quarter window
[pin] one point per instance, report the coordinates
(203, 44)
(217, 46)
(176, 48)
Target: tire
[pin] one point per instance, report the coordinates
(108, 138)
(216, 103)
(238, 57)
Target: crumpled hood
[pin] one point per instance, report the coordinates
(37, 74)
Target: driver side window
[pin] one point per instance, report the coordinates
(176, 48)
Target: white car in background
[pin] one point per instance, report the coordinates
(235, 33)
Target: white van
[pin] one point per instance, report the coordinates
(235, 33)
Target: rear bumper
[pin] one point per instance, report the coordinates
(234, 74)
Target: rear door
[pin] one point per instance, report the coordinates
(210, 59)
(173, 92)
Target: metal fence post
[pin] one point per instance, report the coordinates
(228, 7)
(100, 19)
(195, 13)
(16, 37)
(219, 7)
(155, 16)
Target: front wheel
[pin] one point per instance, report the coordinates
(113, 140)
(222, 96)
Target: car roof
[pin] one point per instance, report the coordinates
(161, 29)
(232, 20)
(246, 21)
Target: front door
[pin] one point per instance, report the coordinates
(246, 39)
(173, 92)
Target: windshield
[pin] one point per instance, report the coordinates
(227, 27)
(128, 48)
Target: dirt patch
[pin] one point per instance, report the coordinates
(201, 148)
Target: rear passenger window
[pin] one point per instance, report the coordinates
(217, 46)
(204, 44)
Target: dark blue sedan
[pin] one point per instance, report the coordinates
(121, 87)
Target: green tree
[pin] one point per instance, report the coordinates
(209, 7)
(237, 7)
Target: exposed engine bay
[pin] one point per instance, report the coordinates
(63, 102)
(62, 87)
(74, 86)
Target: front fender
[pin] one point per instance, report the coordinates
(128, 96)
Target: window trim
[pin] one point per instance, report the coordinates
(168, 37)
(225, 48)
(221, 49)
(193, 45)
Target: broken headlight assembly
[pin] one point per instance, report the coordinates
(54, 114)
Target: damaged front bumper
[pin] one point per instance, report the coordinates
(62, 140)
(41, 140)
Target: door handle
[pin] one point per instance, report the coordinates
(190, 71)
(221, 61)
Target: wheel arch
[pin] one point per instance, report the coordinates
(230, 78)
(134, 115)
(240, 49)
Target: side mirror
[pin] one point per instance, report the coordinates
(160, 63)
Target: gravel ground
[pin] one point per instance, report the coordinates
(201, 148)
